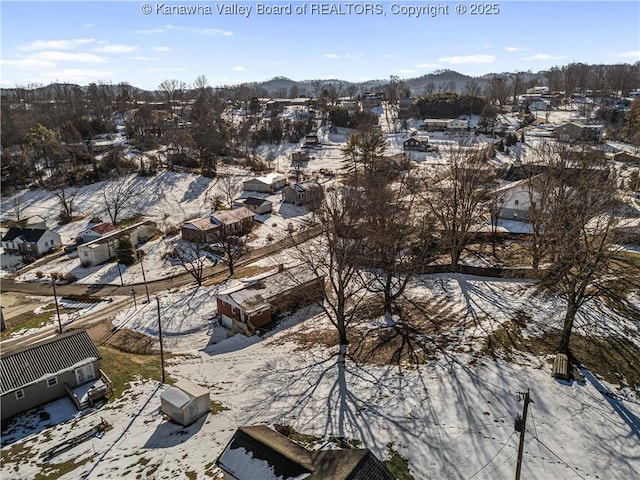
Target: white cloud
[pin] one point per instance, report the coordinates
(544, 56)
(161, 49)
(79, 75)
(51, 56)
(239, 69)
(390, 56)
(405, 71)
(428, 65)
(116, 49)
(468, 59)
(141, 58)
(149, 31)
(331, 55)
(56, 44)
(28, 62)
(215, 31)
(632, 54)
(516, 49)
(89, 25)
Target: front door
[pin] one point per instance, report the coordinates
(85, 373)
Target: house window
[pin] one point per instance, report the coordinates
(52, 381)
(86, 254)
(19, 394)
(516, 202)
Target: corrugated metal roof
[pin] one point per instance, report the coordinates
(48, 357)
(202, 224)
(233, 216)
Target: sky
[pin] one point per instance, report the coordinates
(145, 43)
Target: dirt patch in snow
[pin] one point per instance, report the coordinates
(124, 339)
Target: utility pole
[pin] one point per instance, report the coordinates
(520, 426)
(55, 296)
(144, 278)
(133, 292)
(160, 335)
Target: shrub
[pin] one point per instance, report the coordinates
(39, 274)
(70, 277)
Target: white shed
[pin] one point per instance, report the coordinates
(185, 402)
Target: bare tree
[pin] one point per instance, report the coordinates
(229, 188)
(580, 230)
(118, 196)
(333, 254)
(192, 257)
(456, 195)
(18, 206)
(393, 246)
(233, 248)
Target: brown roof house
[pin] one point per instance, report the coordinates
(257, 452)
(238, 221)
(416, 143)
(257, 302)
(304, 193)
(30, 241)
(47, 370)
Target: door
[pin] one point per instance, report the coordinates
(84, 374)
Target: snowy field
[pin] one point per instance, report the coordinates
(451, 418)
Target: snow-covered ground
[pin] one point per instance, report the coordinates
(451, 418)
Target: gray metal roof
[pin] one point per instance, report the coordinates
(45, 358)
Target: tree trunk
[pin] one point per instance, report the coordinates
(342, 333)
(567, 328)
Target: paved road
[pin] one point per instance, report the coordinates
(107, 290)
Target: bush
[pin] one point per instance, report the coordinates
(69, 277)
(39, 274)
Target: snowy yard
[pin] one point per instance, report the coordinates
(451, 417)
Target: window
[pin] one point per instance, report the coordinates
(516, 202)
(19, 394)
(51, 381)
(86, 254)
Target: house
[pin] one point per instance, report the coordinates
(514, 200)
(211, 229)
(257, 452)
(33, 222)
(32, 242)
(258, 206)
(458, 125)
(95, 231)
(299, 157)
(258, 302)
(46, 370)
(199, 230)
(238, 221)
(574, 131)
(416, 143)
(269, 183)
(184, 402)
(370, 101)
(303, 193)
(435, 124)
(105, 248)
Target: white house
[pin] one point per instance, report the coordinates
(95, 231)
(514, 200)
(105, 247)
(457, 124)
(30, 241)
(268, 183)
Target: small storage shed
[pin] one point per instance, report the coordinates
(185, 402)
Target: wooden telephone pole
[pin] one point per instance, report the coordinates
(160, 335)
(521, 425)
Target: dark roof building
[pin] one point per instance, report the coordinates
(34, 375)
(257, 452)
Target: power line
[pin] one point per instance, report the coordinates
(535, 430)
(558, 457)
(494, 456)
